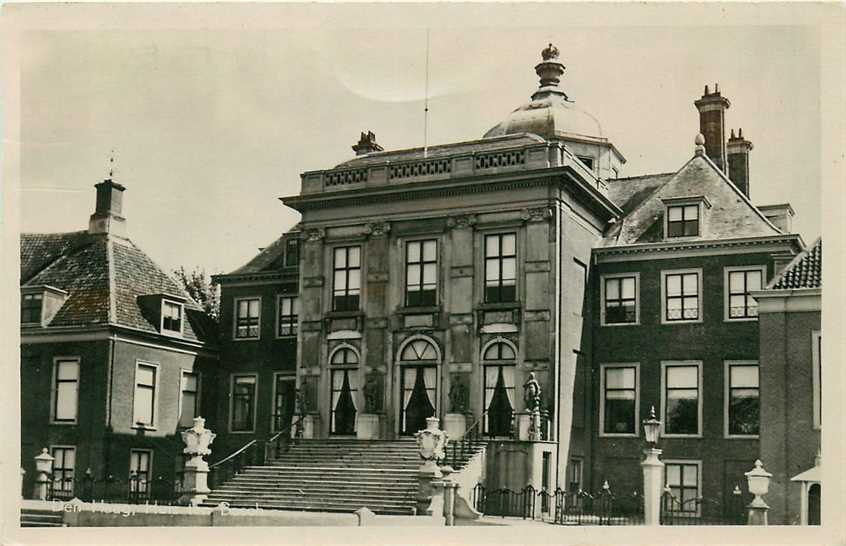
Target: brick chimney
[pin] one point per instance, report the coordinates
(107, 213)
(738, 161)
(712, 122)
(366, 144)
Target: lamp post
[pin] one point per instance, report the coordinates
(653, 471)
(759, 484)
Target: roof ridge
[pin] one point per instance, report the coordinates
(650, 175)
(110, 270)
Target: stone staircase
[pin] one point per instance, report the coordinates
(40, 517)
(331, 475)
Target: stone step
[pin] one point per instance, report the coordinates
(298, 489)
(323, 507)
(338, 502)
(40, 518)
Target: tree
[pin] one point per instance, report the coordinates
(200, 287)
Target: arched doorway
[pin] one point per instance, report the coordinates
(814, 493)
(499, 362)
(418, 365)
(344, 374)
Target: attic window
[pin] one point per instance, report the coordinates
(588, 161)
(684, 215)
(31, 305)
(172, 317)
(292, 252)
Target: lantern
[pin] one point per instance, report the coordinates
(759, 480)
(651, 427)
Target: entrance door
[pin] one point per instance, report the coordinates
(419, 394)
(814, 504)
(343, 405)
(284, 400)
(499, 400)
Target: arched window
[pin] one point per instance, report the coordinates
(344, 388)
(498, 360)
(419, 349)
(344, 357)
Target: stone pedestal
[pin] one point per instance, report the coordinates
(757, 512)
(455, 424)
(311, 426)
(44, 468)
(195, 476)
(20, 483)
(367, 427)
(653, 486)
(524, 426)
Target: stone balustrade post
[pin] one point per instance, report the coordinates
(44, 467)
(653, 485)
(195, 477)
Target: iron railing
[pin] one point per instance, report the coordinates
(458, 452)
(702, 510)
(136, 489)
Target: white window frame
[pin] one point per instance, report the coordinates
(727, 396)
(156, 390)
(700, 424)
(421, 239)
(235, 319)
(40, 320)
(602, 280)
(168, 331)
(700, 201)
(279, 298)
(700, 282)
(290, 376)
(698, 463)
(232, 401)
(149, 483)
(75, 453)
(362, 275)
(602, 368)
(816, 349)
(199, 376)
(54, 393)
(727, 289)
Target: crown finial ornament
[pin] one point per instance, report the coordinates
(699, 141)
(111, 164)
(550, 52)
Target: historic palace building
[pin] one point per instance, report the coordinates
(440, 280)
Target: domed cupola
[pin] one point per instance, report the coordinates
(553, 116)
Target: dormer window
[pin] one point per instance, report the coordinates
(684, 216)
(292, 252)
(31, 305)
(172, 317)
(683, 221)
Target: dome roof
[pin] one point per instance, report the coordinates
(550, 114)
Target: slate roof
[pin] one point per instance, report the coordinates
(805, 271)
(267, 259)
(103, 277)
(730, 216)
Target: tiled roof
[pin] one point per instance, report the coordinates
(103, 277)
(731, 214)
(267, 258)
(805, 271)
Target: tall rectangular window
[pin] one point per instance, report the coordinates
(740, 282)
(682, 296)
(66, 390)
(619, 401)
(744, 408)
(172, 317)
(64, 463)
(247, 318)
(346, 286)
(501, 268)
(682, 399)
(284, 400)
(683, 221)
(292, 253)
(620, 299)
(288, 307)
(683, 481)
(190, 399)
(145, 395)
(243, 403)
(421, 273)
(140, 468)
(31, 308)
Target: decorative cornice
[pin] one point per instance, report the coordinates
(315, 234)
(647, 248)
(377, 229)
(539, 214)
(259, 277)
(464, 221)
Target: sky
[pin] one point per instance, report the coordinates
(210, 126)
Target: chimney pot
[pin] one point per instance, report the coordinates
(366, 144)
(712, 114)
(738, 161)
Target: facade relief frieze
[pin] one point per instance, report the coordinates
(538, 214)
(377, 229)
(464, 221)
(314, 235)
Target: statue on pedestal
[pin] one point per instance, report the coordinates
(531, 393)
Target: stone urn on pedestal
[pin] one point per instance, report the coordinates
(197, 440)
(431, 443)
